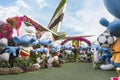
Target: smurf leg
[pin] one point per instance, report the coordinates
(107, 66)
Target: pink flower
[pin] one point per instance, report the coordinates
(114, 78)
(15, 22)
(6, 31)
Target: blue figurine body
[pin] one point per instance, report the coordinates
(26, 44)
(106, 55)
(113, 6)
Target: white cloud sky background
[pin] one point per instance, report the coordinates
(81, 16)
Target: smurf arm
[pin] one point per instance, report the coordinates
(36, 42)
(12, 50)
(104, 22)
(43, 42)
(43, 50)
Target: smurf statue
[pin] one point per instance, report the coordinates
(113, 6)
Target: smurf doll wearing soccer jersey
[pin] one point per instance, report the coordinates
(113, 6)
(105, 41)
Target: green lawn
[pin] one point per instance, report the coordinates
(68, 71)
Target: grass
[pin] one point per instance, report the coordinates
(68, 71)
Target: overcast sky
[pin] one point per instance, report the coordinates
(81, 16)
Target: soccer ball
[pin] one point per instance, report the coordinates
(105, 40)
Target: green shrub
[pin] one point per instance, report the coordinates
(22, 63)
(4, 64)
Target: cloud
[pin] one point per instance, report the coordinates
(86, 19)
(6, 12)
(22, 4)
(11, 11)
(41, 3)
(80, 18)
